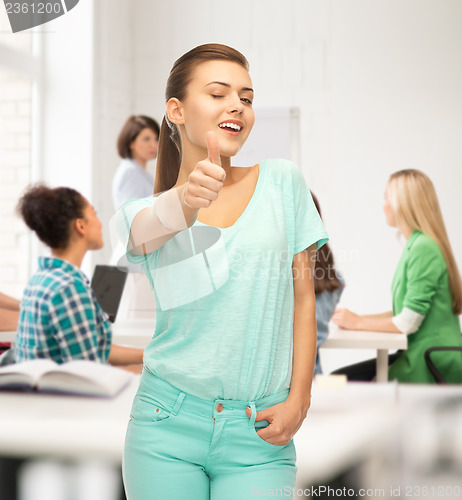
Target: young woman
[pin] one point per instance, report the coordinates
(328, 287)
(230, 254)
(59, 315)
(426, 288)
(137, 144)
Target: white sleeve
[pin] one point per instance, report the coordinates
(408, 321)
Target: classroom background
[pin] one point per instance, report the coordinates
(376, 86)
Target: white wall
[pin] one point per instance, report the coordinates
(65, 135)
(88, 94)
(113, 101)
(396, 102)
(378, 85)
(68, 100)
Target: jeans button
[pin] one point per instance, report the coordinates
(219, 408)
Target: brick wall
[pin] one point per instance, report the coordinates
(15, 162)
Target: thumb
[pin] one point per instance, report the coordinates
(213, 148)
(261, 415)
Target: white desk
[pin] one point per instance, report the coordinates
(34, 424)
(340, 425)
(343, 427)
(133, 332)
(359, 339)
(138, 333)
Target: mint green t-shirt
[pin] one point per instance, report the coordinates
(225, 297)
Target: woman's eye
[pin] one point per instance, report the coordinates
(247, 101)
(216, 96)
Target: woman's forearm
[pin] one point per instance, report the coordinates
(377, 323)
(121, 355)
(348, 320)
(388, 314)
(304, 332)
(304, 354)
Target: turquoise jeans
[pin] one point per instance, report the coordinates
(181, 447)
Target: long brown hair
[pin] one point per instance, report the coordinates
(415, 205)
(130, 131)
(325, 275)
(170, 151)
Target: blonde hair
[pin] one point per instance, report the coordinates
(413, 199)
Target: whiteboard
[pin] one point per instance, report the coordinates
(276, 134)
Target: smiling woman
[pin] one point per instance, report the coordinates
(226, 250)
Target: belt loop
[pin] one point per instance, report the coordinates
(252, 418)
(178, 403)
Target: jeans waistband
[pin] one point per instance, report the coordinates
(152, 385)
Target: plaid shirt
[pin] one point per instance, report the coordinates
(60, 317)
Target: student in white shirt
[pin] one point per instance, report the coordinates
(136, 145)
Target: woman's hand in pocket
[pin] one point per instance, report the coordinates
(284, 421)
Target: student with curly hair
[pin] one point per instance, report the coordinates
(60, 317)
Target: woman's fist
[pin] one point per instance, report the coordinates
(206, 180)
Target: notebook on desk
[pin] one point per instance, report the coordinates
(108, 284)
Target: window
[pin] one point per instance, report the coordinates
(16, 107)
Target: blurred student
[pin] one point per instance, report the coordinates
(328, 287)
(426, 288)
(137, 144)
(60, 317)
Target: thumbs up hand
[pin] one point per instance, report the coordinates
(206, 180)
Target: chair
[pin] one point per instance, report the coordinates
(439, 379)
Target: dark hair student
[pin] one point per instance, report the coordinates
(328, 286)
(59, 316)
(325, 274)
(137, 145)
(130, 131)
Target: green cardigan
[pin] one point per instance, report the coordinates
(421, 284)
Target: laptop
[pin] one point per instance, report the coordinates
(108, 284)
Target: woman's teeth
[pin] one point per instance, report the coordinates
(232, 126)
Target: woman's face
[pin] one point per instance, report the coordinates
(144, 147)
(93, 228)
(219, 99)
(388, 211)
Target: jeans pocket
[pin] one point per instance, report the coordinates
(261, 425)
(149, 410)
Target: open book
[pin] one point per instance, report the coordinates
(75, 377)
